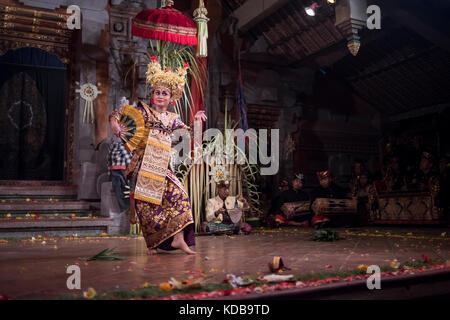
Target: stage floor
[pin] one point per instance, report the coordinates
(37, 269)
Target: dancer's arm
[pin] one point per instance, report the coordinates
(199, 117)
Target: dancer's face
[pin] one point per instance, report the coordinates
(161, 97)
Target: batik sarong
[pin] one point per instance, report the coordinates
(159, 223)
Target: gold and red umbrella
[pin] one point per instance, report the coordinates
(166, 24)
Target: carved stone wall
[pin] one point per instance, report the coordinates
(128, 61)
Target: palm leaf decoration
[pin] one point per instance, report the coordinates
(200, 185)
(105, 255)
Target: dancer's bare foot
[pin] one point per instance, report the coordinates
(179, 243)
(152, 252)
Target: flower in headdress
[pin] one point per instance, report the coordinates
(185, 65)
(173, 81)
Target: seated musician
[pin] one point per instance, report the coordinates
(358, 168)
(394, 179)
(367, 198)
(224, 212)
(425, 178)
(444, 181)
(283, 186)
(327, 189)
(293, 205)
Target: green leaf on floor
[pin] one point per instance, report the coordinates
(325, 235)
(105, 255)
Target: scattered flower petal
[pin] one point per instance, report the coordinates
(165, 286)
(91, 293)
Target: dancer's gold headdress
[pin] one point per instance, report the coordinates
(174, 81)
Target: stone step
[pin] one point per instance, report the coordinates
(37, 193)
(49, 215)
(49, 191)
(12, 228)
(23, 207)
(36, 198)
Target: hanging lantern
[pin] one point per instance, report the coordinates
(166, 24)
(353, 46)
(202, 27)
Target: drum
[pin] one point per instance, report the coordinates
(289, 209)
(235, 215)
(327, 206)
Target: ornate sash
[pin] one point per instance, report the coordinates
(151, 183)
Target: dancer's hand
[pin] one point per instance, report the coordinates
(132, 218)
(200, 115)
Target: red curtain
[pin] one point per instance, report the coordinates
(196, 91)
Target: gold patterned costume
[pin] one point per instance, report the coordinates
(158, 197)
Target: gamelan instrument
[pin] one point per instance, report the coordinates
(335, 206)
(290, 209)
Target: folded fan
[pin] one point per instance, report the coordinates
(133, 133)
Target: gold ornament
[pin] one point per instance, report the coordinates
(173, 81)
(353, 46)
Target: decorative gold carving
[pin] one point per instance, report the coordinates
(61, 52)
(36, 28)
(37, 21)
(8, 25)
(35, 13)
(353, 46)
(408, 208)
(57, 40)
